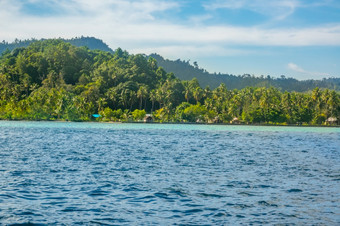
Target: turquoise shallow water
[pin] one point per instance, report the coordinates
(101, 173)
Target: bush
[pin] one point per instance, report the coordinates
(138, 114)
(319, 119)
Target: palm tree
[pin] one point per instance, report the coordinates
(142, 94)
(111, 95)
(197, 94)
(333, 104)
(152, 97)
(132, 98)
(160, 95)
(187, 90)
(101, 103)
(124, 97)
(286, 104)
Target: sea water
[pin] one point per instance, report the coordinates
(63, 173)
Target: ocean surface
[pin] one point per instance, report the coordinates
(66, 173)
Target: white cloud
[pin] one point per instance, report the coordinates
(132, 25)
(296, 68)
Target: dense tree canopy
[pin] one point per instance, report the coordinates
(54, 80)
(184, 70)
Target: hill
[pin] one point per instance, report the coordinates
(90, 42)
(54, 80)
(185, 71)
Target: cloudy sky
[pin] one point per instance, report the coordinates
(295, 38)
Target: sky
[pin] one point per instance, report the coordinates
(295, 38)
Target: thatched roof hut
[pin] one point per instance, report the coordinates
(217, 120)
(235, 121)
(148, 118)
(332, 120)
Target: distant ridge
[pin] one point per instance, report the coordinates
(185, 71)
(90, 42)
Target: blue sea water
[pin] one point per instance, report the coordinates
(62, 173)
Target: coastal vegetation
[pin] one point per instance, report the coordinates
(55, 80)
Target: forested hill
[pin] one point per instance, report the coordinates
(90, 42)
(185, 71)
(54, 80)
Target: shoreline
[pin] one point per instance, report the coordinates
(231, 124)
(180, 123)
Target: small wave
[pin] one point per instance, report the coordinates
(72, 209)
(246, 193)
(178, 192)
(98, 193)
(55, 197)
(144, 199)
(264, 203)
(222, 214)
(210, 195)
(262, 186)
(193, 205)
(7, 196)
(193, 211)
(28, 197)
(163, 195)
(294, 190)
(287, 215)
(28, 213)
(100, 223)
(239, 205)
(26, 224)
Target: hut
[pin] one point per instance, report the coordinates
(235, 121)
(217, 120)
(332, 121)
(148, 118)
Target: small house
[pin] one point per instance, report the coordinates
(217, 120)
(332, 121)
(148, 118)
(235, 121)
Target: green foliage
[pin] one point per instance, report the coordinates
(89, 42)
(107, 113)
(162, 114)
(138, 114)
(186, 112)
(54, 80)
(319, 119)
(183, 70)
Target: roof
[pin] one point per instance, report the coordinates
(332, 119)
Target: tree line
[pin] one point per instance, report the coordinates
(54, 80)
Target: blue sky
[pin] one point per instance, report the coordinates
(295, 38)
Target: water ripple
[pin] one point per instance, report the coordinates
(128, 174)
